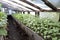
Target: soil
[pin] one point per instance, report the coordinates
(14, 32)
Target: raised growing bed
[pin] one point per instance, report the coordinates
(50, 29)
(32, 35)
(3, 25)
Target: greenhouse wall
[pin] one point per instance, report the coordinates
(50, 15)
(54, 16)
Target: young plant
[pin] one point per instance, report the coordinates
(47, 28)
(3, 24)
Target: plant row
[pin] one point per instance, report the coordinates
(3, 24)
(46, 28)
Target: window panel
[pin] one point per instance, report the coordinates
(40, 4)
(56, 3)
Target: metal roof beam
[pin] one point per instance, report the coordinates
(24, 6)
(18, 6)
(32, 4)
(12, 6)
(50, 5)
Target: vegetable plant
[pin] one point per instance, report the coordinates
(46, 28)
(3, 24)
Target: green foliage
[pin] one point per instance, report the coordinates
(3, 32)
(44, 27)
(0, 5)
(3, 23)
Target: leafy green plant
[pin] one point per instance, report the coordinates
(3, 23)
(47, 28)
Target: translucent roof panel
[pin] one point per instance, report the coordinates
(56, 3)
(10, 6)
(15, 5)
(24, 4)
(40, 3)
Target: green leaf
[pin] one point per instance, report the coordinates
(3, 32)
(48, 36)
(54, 38)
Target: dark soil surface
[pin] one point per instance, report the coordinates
(14, 32)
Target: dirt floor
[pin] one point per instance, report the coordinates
(14, 32)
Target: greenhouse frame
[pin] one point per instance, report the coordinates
(29, 19)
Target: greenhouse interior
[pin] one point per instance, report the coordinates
(29, 19)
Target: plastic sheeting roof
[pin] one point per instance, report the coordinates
(55, 3)
(25, 4)
(15, 5)
(40, 4)
(22, 6)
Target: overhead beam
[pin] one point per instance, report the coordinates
(24, 6)
(12, 6)
(58, 10)
(32, 4)
(18, 6)
(50, 5)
